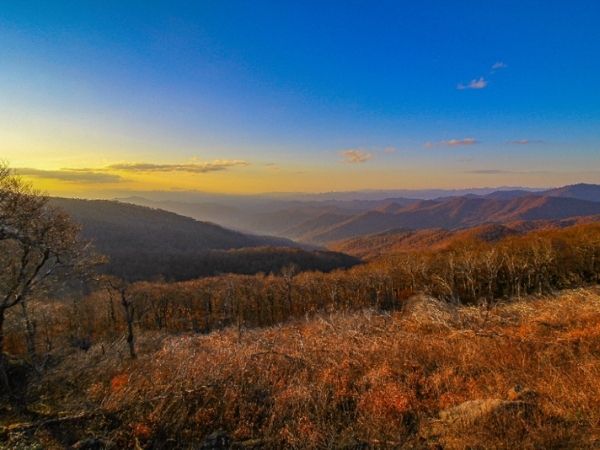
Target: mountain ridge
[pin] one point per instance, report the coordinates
(322, 221)
(144, 243)
(459, 212)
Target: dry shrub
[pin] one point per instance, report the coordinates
(422, 309)
(346, 380)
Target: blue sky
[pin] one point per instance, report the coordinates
(309, 95)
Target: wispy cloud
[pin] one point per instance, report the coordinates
(213, 166)
(390, 150)
(272, 166)
(480, 83)
(499, 65)
(453, 142)
(107, 174)
(488, 171)
(459, 142)
(71, 175)
(526, 141)
(355, 156)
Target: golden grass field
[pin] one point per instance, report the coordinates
(344, 380)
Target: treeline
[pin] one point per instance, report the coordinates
(470, 271)
(185, 265)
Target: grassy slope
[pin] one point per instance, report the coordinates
(347, 379)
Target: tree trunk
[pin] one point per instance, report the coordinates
(30, 334)
(289, 296)
(129, 316)
(3, 369)
(130, 337)
(111, 312)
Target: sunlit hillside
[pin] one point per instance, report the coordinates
(519, 374)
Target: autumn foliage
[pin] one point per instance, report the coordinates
(470, 271)
(374, 356)
(353, 380)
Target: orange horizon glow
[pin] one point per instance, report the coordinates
(267, 178)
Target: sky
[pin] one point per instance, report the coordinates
(299, 96)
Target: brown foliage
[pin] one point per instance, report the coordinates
(39, 247)
(362, 361)
(469, 272)
(365, 378)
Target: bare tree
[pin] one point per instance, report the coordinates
(121, 287)
(39, 245)
(288, 273)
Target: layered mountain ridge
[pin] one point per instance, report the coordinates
(322, 222)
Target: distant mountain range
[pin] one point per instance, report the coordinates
(455, 213)
(130, 226)
(282, 198)
(322, 222)
(145, 243)
(582, 191)
(179, 240)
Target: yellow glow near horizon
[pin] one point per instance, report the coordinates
(52, 142)
(259, 179)
(42, 151)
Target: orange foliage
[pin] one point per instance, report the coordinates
(118, 382)
(365, 378)
(387, 401)
(141, 430)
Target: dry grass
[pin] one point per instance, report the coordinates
(357, 380)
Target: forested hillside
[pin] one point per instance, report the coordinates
(443, 343)
(144, 243)
(454, 213)
(114, 224)
(325, 222)
(402, 241)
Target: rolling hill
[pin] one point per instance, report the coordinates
(145, 243)
(455, 213)
(398, 241)
(285, 218)
(402, 240)
(322, 222)
(581, 191)
(208, 211)
(111, 223)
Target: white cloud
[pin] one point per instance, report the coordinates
(499, 65)
(480, 83)
(460, 142)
